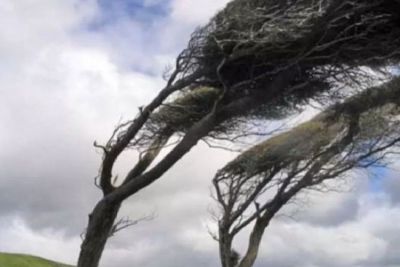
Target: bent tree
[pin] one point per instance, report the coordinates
(254, 60)
(358, 133)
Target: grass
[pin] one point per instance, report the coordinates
(20, 260)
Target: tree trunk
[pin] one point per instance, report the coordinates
(101, 222)
(254, 245)
(225, 248)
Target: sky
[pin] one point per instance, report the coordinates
(70, 71)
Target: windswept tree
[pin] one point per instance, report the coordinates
(254, 60)
(358, 133)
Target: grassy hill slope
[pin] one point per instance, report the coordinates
(19, 260)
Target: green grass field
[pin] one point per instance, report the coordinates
(19, 260)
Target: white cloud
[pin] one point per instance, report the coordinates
(61, 89)
(195, 12)
(57, 96)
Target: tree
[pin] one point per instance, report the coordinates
(253, 188)
(253, 60)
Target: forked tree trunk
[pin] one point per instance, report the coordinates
(101, 222)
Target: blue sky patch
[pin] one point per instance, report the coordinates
(138, 10)
(377, 177)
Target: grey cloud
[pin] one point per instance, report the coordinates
(391, 185)
(328, 209)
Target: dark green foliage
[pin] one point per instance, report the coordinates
(181, 113)
(317, 42)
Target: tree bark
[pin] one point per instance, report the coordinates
(225, 248)
(101, 222)
(254, 244)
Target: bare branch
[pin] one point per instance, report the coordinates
(126, 222)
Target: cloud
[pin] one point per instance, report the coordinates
(391, 185)
(17, 237)
(362, 241)
(195, 13)
(62, 88)
(57, 97)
